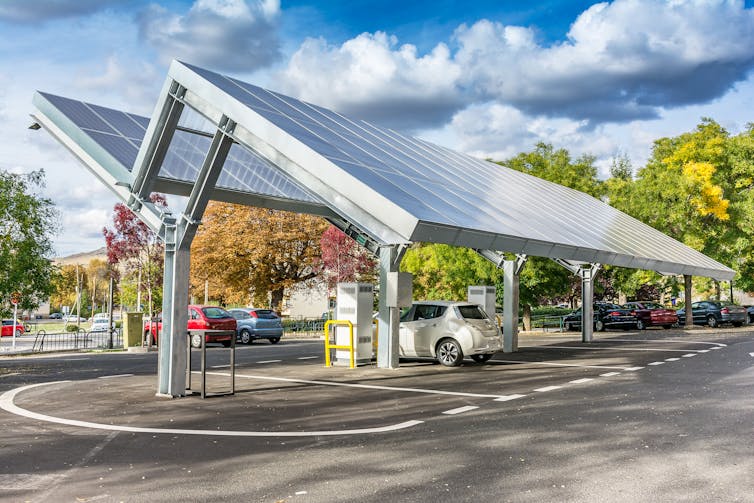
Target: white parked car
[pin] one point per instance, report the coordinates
(99, 325)
(71, 318)
(448, 331)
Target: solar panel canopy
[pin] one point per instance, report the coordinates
(397, 189)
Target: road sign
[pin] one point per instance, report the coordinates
(15, 298)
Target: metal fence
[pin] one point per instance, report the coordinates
(43, 341)
(304, 326)
(545, 323)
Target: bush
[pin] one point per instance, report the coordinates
(71, 328)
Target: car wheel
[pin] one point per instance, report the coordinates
(449, 353)
(599, 326)
(640, 325)
(481, 358)
(570, 327)
(274, 340)
(712, 321)
(196, 341)
(667, 327)
(18, 333)
(737, 323)
(751, 318)
(245, 337)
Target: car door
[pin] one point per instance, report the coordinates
(699, 310)
(416, 332)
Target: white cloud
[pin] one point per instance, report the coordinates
(226, 35)
(622, 61)
(374, 78)
(25, 11)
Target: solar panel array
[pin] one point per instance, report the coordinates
(121, 135)
(441, 186)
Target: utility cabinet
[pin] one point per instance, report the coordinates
(355, 303)
(485, 297)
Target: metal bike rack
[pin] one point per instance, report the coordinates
(203, 348)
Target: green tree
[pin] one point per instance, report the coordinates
(444, 272)
(541, 279)
(26, 224)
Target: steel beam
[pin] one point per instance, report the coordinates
(389, 317)
(587, 273)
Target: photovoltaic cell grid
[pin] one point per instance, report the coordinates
(121, 135)
(438, 185)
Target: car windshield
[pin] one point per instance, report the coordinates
(471, 313)
(652, 305)
(215, 313)
(266, 314)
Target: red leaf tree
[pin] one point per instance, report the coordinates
(344, 260)
(134, 249)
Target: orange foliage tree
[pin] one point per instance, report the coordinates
(254, 254)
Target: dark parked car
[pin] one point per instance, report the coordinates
(652, 314)
(714, 313)
(606, 315)
(255, 323)
(750, 312)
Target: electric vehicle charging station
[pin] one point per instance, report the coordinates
(355, 303)
(485, 296)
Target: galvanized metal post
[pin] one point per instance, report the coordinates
(388, 335)
(511, 274)
(588, 274)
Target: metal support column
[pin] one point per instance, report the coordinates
(587, 273)
(511, 273)
(178, 237)
(689, 321)
(389, 317)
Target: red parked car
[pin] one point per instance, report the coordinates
(652, 314)
(8, 328)
(200, 318)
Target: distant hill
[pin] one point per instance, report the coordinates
(82, 258)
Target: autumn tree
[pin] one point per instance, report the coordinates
(344, 260)
(66, 286)
(248, 253)
(26, 225)
(132, 245)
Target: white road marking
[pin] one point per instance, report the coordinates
(547, 388)
(219, 366)
(306, 357)
(592, 348)
(610, 374)
(720, 346)
(688, 355)
(633, 369)
(656, 363)
(703, 351)
(10, 374)
(553, 364)
(362, 386)
(751, 354)
(117, 375)
(672, 359)
(670, 341)
(508, 398)
(460, 410)
(270, 361)
(6, 403)
(581, 381)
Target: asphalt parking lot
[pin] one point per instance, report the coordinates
(660, 415)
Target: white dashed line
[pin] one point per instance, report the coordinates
(117, 375)
(547, 388)
(656, 363)
(719, 344)
(220, 366)
(306, 357)
(598, 348)
(508, 398)
(672, 359)
(553, 364)
(633, 369)
(270, 361)
(703, 351)
(460, 410)
(581, 381)
(689, 355)
(751, 354)
(719, 347)
(610, 374)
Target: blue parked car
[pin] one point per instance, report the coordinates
(714, 313)
(253, 323)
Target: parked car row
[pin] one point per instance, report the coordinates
(641, 315)
(249, 323)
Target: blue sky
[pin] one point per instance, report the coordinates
(487, 78)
